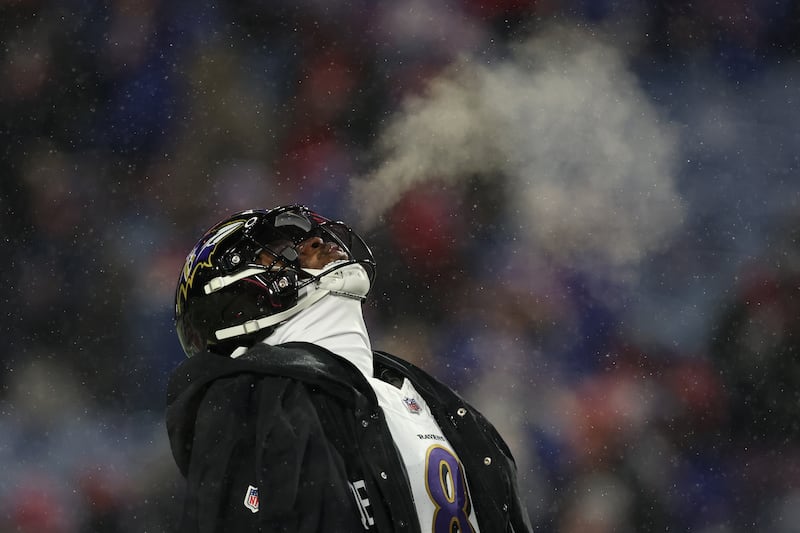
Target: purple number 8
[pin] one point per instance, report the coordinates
(447, 489)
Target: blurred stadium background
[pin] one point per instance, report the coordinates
(584, 212)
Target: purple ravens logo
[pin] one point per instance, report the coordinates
(201, 256)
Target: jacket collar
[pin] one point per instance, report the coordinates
(297, 360)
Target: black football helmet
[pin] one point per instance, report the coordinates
(227, 298)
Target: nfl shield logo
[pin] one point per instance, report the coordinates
(251, 498)
(412, 405)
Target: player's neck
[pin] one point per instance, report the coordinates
(335, 323)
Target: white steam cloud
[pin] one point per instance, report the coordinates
(585, 159)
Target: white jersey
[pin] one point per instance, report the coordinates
(436, 475)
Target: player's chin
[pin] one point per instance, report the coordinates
(335, 255)
(334, 260)
(322, 262)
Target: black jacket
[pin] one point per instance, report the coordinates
(303, 426)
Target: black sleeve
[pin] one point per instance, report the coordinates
(264, 434)
(517, 512)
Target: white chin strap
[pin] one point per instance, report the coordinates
(350, 281)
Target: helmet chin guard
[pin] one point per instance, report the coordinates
(227, 297)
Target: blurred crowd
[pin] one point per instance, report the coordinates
(128, 127)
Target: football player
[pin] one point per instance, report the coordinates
(284, 418)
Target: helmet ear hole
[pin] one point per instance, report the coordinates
(231, 261)
(282, 292)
